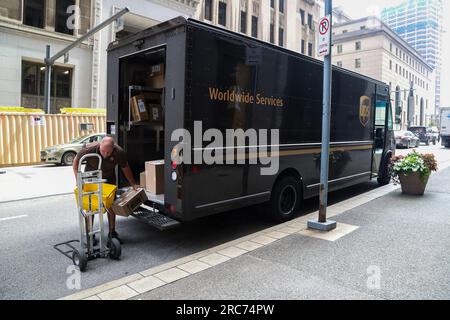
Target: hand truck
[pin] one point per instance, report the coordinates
(87, 250)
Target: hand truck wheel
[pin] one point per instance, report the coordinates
(79, 259)
(115, 249)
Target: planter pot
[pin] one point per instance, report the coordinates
(413, 183)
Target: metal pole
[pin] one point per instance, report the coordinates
(322, 223)
(326, 117)
(48, 81)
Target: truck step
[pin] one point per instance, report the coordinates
(155, 219)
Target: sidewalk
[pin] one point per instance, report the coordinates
(18, 183)
(387, 246)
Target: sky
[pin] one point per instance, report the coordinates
(362, 8)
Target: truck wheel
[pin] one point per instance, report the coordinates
(285, 199)
(384, 176)
(79, 259)
(68, 158)
(115, 249)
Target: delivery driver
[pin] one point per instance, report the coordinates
(112, 155)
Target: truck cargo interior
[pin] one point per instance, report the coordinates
(141, 130)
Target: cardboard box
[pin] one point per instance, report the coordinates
(155, 113)
(129, 202)
(154, 173)
(139, 110)
(142, 180)
(155, 78)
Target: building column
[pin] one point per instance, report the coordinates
(249, 17)
(276, 22)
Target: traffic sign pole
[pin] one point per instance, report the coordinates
(325, 27)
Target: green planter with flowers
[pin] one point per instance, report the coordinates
(413, 171)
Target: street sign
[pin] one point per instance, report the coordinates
(324, 43)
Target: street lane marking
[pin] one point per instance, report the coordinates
(12, 218)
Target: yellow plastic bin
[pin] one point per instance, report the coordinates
(108, 196)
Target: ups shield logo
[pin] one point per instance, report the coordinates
(364, 110)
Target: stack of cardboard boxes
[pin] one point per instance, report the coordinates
(147, 106)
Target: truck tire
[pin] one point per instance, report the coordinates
(385, 173)
(285, 199)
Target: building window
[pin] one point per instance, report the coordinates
(280, 37)
(390, 47)
(310, 21)
(33, 84)
(363, 27)
(281, 6)
(310, 49)
(243, 22)
(208, 10)
(302, 17)
(222, 13)
(303, 47)
(272, 4)
(358, 45)
(390, 65)
(34, 13)
(339, 48)
(62, 16)
(339, 64)
(254, 27)
(357, 63)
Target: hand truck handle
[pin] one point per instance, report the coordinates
(90, 155)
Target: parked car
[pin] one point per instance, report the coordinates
(424, 134)
(65, 153)
(406, 139)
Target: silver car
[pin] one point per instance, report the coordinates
(406, 139)
(65, 153)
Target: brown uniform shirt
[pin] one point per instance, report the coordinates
(118, 157)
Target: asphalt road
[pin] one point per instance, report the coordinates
(30, 268)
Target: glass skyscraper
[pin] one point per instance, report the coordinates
(419, 22)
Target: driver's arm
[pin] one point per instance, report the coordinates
(129, 175)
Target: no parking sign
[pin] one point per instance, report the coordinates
(324, 43)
